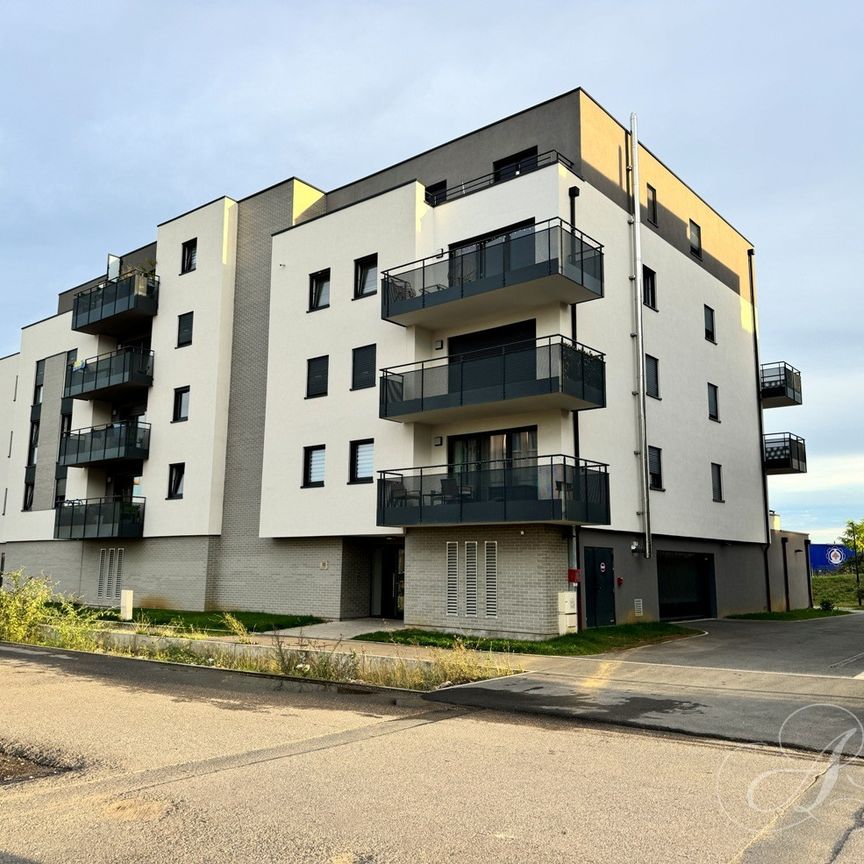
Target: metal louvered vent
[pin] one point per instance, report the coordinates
(471, 577)
(452, 578)
(637, 605)
(100, 585)
(118, 576)
(491, 578)
(109, 582)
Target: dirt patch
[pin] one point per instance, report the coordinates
(138, 810)
(17, 769)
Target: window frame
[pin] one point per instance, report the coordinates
(29, 494)
(354, 479)
(715, 390)
(314, 278)
(176, 415)
(180, 317)
(176, 481)
(710, 335)
(695, 248)
(326, 390)
(373, 382)
(189, 256)
(658, 486)
(651, 204)
(436, 193)
(656, 363)
(359, 265)
(308, 453)
(717, 483)
(652, 280)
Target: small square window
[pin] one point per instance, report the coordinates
(317, 370)
(189, 258)
(362, 460)
(655, 468)
(710, 329)
(313, 466)
(181, 404)
(713, 402)
(652, 376)
(184, 329)
(717, 481)
(652, 204)
(365, 276)
(176, 475)
(695, 239)
(319, 290)
(649, 287)
(363, 367)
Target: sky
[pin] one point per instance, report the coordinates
(116, 116)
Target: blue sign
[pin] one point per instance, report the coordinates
(828, 557)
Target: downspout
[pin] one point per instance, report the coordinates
(783, 542)
(574, 194)
(809, 574)
(767, 544)
(639, 336)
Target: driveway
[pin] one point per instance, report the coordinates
(819, 646)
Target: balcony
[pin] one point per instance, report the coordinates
(779, 385)
(116, 307)
(115, 443)
(551, 372)
(532, 489)
(99, 518)
(548, 263)
(109, 375)
(784, 453)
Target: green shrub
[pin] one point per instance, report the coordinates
(826, 605)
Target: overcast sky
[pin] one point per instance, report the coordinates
(116, 116)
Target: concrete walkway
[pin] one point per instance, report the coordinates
(348, 629)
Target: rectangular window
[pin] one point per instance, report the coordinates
(319, 290)
(184, 329)
(713, 402)
(59, 491)
(652, 376)
(717, 481)
(38, 382)
(363, 367)
(65, 424)
(513, 166)
(649, 287)
(695, 239)
(652, 204)
(313, 466)
(189, 258)
(365, 276)
(181, 404)
(362, 461)
(655, 468)
(710, 330)
(317, 369)
(176, 475)
(436, 193)
(33, 446)
(28, 496)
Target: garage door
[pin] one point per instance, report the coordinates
(685, 585)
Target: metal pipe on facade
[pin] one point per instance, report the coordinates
(636, 279)
(574, 194)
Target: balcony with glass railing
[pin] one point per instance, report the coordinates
(784, 453)
(109, 375)
(546, 373)
(127, 441)
(99, 519)
(550, 262)
(117, 306)
(529, 489)
(779, 385)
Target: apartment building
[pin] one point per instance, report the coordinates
(447, 392)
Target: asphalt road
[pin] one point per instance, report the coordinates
(178, 764)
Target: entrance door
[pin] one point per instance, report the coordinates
(393, 582)
(599, 587)
(685, 585)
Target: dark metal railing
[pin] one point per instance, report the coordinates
(508, 172)
(780, 380)
(95, 518)
(784, 453)
(122, 440)
(511, 258)
(126, 366)
(551, 364)
(135, 290)
(525, 489)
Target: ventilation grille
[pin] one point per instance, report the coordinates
(452, 578)
(100, 585)
(491, 579)
(110, 579)
(109, 583)
(471, 578)
(118, 575)
(637, 605)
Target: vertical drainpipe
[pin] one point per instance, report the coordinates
(783, 542)
(809, 574)
(639, 336)
(573, 540)
(767, 543)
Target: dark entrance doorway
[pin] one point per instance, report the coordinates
(685, 585)
(392, 582)
(599, 586)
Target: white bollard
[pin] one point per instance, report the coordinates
(126, 595)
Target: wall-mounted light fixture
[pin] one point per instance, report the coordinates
(438, 344)
(437, 441)
(636, 548)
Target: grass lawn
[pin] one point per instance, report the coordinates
(594, 641)
(840, 590)
(794, 615)
(254, 622)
